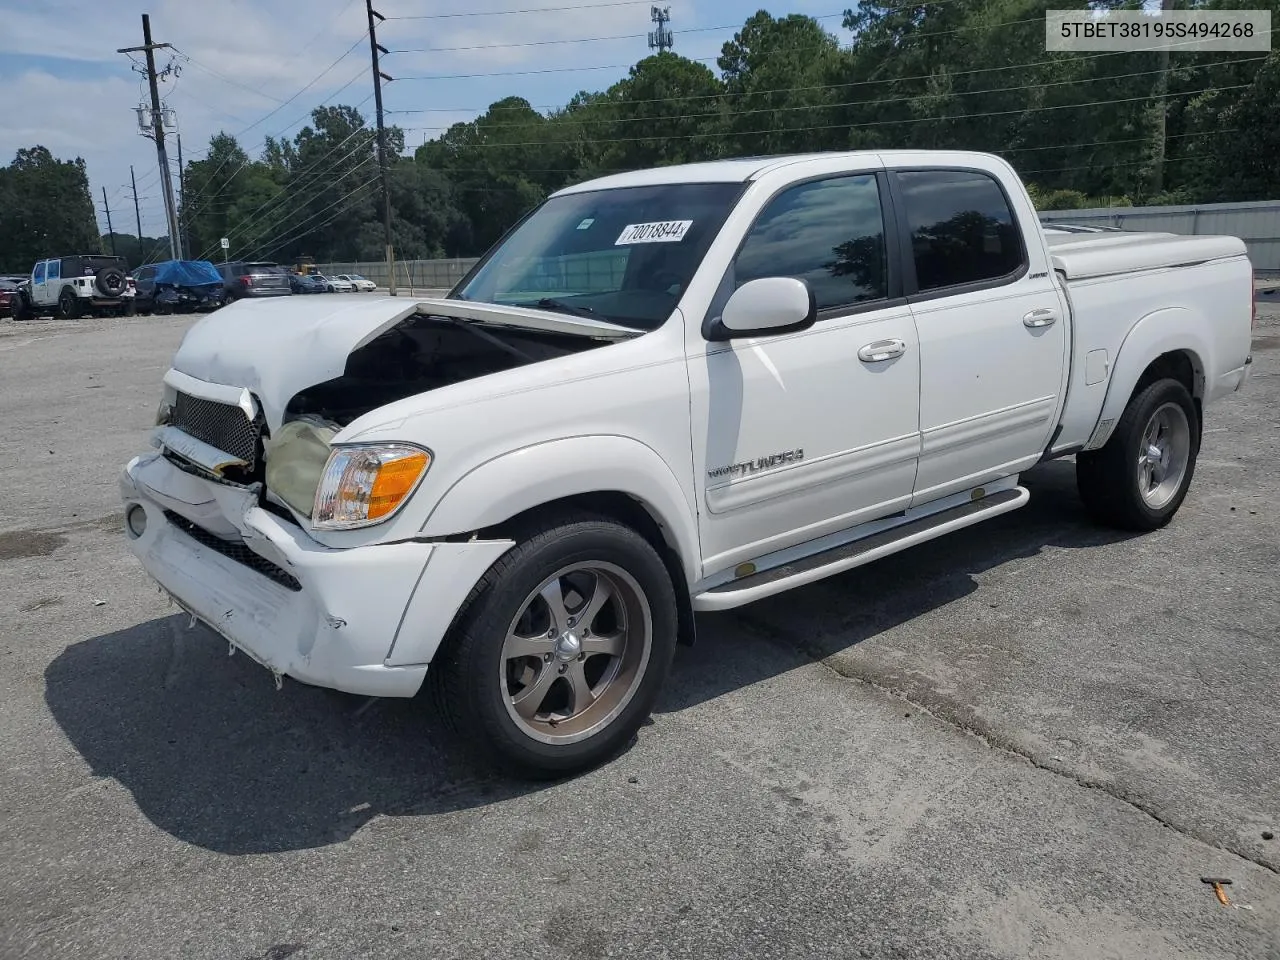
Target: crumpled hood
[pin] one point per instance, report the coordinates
(278, 346)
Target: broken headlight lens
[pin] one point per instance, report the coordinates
(296, 456)
(365, 484)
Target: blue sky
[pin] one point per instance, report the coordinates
(244, 69)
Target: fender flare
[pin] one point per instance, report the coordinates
(512, 483)
(1168, 330)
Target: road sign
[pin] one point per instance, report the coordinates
(226, 244)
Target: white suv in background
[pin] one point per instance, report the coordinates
(85, 285)
(358, 283)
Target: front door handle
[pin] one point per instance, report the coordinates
(882, 350)
(1040, 318)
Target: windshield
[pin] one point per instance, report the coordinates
(623, 255)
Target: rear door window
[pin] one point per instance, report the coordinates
(962, 230)
(52, 273)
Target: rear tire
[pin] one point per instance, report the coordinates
(1139, 478)
(558, 655)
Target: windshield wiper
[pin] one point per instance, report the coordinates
(551, 303)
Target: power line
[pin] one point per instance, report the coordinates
(249, 158)
(276, 242)
(314, 81)
(510, 13)
(1074, 144)
(855, 103)
(715, 59)
(292, 191)
(225, 79)
(227, 185)
(285, 103)
(732, 94)
(785, 49)
(617, 36)
(855, 126)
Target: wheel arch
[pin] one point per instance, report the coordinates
(1165, 343)
(613, 476)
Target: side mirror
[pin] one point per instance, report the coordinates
(768, 305)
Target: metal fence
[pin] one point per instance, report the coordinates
(410, 274)
(1257, 223)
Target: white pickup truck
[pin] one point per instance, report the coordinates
(662, 392)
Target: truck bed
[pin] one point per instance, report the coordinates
(1193, 291)
(1080, 256)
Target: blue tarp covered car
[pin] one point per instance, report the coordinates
(178, 286)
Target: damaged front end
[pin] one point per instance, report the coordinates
(229, 514)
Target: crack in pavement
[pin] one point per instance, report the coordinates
(960, 717)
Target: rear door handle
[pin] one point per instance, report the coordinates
(882, 350)
(1040, 318)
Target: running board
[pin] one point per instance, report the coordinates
(817, 566)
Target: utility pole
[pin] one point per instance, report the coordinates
(110, 231)
(182, 196)
(660, 39)
(137, 211)
(1162, 109)
(378, 77)
(157, 132)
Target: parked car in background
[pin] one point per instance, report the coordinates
(89, 284)
(10, 298)
(306, 283)
(256, 279)
(359, 283)
(178, 286)
(335, 284)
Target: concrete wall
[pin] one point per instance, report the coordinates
(1257, 223)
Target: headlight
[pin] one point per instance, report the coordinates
(296, 457)
(364, 484)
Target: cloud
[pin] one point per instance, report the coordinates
(247, 56)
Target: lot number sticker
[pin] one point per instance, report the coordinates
(664, 231)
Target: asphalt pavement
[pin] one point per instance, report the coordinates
(1031, 739)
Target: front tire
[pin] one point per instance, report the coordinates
(560, 651)
(1139, 478)
(68, 305)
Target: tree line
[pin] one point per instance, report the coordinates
(1083, 129)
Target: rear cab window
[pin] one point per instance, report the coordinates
(961, 229)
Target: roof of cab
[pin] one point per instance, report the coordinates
(736, 170)
(742, 169)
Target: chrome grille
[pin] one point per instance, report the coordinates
(222, 425)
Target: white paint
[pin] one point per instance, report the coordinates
(972, 392)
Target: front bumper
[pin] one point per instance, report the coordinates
(364, 620)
